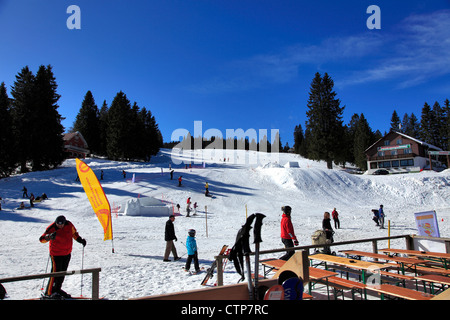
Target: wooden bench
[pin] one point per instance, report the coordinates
(399, 292)
(434, 279)
(340, 285)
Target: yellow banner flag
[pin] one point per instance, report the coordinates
(96, 196)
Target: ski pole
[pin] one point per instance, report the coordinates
(46, 268)
(82, 267)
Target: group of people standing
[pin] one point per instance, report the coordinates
(191, 246)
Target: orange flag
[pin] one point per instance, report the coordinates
(96, 196)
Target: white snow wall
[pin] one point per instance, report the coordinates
(146, 207)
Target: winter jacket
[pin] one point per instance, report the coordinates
(191, 245)
(287, 229)
(326, 226)
(169, 233)
(334, 214)
(61, 245)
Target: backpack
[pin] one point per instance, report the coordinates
(319, 237)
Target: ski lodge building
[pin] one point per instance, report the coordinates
(398, 153)
(75, 146)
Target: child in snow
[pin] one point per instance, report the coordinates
(195, 208)
(191, 246)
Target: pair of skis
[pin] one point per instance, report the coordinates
(242, 248)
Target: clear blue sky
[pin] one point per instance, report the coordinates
(234, 64)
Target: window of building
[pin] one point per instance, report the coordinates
(406, 162)
(399, 141)
(395, 163)
(387, 142)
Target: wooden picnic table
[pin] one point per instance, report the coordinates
(364, 266)
(434, 279)
(444, 258)
(408, 262)
(399, 292)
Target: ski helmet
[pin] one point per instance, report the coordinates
(191, 232)
(60, 220)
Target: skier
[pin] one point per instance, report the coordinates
(60, 234)
(381, 216)
(191, 245)
(171, 174)
(188, 209)
(206, 189)
(169, 236)
(179, 181)
(287, 232)
(25, 192)
(335, 216)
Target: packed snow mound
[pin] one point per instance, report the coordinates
(341, 188)
(147, 206)
(270, 165)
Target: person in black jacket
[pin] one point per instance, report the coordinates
(169, 236)
(326, 227)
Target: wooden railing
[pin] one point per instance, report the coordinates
(374, 241)
(95, 278)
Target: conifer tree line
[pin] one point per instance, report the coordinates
(327, 138)
(119, 132)
(31, 132)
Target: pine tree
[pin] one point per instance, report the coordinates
(438, 127)
(447, 125)
(7, 152)
(324, 120)
(87, 122)
(48, 145)
(363, 139)
(119, 128)
(103, 126)
(299, 141)
(395, 122)
(22, 113)
(426, 120)
(410, 125)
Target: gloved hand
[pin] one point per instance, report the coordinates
(50, 236)
(295, 243)
(82, 241)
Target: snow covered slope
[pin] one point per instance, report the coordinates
(136, 268)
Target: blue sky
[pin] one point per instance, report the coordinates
(234, 64)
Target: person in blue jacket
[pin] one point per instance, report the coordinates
(191, 245)
(381, 216)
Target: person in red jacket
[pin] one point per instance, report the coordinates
(60, 234)
(287, 232)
